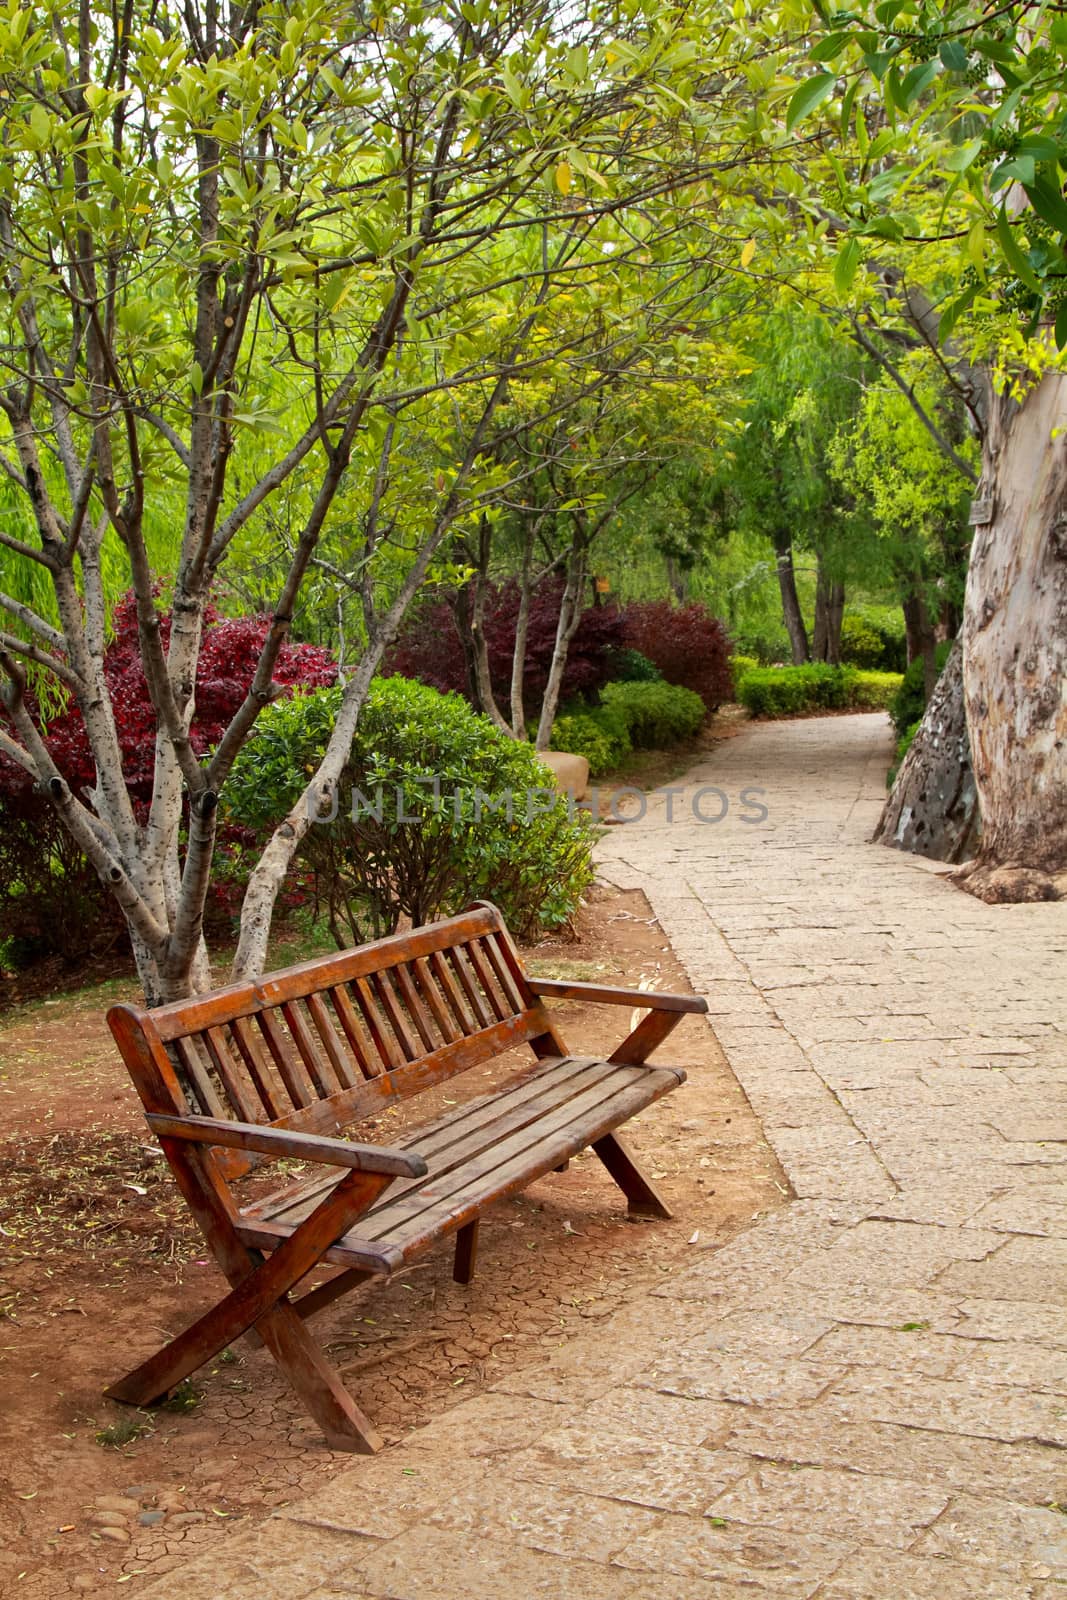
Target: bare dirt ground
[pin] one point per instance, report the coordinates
(99, 1262)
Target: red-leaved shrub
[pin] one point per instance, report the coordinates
(429, 648)
(50, 898)
(687, 643)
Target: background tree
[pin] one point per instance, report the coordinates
(247, 258)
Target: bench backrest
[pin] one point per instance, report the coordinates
(320, 1045)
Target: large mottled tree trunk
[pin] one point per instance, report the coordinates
(791, 612)
(933, 809)
(1015, 648)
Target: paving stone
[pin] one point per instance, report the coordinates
(384, 1496)
(1029, 1540)
(909, 1347)
(881, 1575)
(1025, 1268)
(889, 1253)
(619, 1466)
(950, 1407)
(1032, 1474)
(490, 1424)
(674, 1419)
(437, 1564)
(873, 1509)
(904, 1055)
(714, 1375)
(562, 1522)
(786, 1565)
(1039, 1322)
(1026, 1366)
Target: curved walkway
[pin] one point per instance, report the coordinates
(862, 1397)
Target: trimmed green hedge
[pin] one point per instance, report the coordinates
(796, 691)
(641, 716)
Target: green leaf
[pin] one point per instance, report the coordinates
(1061, 326)
(1048, 202)
(876, 62)
(960, 159)
(1020, 169)
(954, 56)
(953, 312)
(830, 47)
(917, 80)
(1040, 146)
(1013, 254)
(40, 124)
(810, 94)
(847, 264)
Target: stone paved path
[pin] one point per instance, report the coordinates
(863, 1398)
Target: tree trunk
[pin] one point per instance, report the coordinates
(522, 629)
(835, 617)
(933, 809)
(569, 615)
(820, 632)
(1015, 648)
(678, 580)
(791, 612)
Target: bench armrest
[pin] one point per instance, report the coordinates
(289, 1142)
(597, 994)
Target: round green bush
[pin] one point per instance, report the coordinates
(657, 715)
(437, 807)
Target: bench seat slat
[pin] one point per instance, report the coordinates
(449, 1138)
(398, 1230)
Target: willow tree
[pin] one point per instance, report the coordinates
(238, 245)
(942, 155)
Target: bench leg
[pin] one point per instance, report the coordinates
(466, 1253)
(642, 1198)
(260, 1299)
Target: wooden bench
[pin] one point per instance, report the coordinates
(279, 1067)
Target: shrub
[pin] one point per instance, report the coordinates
(904, 744)
(581, 733)
(51, 900)
(657, 715)
(739, 665)
(428, 647)
(687, 644)
(630, 666)
(874, 691)
(873, 636)
(796, 691)
(643, 716)
(768, 644)
(423, 822)
(909, 703)
(861, 645)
